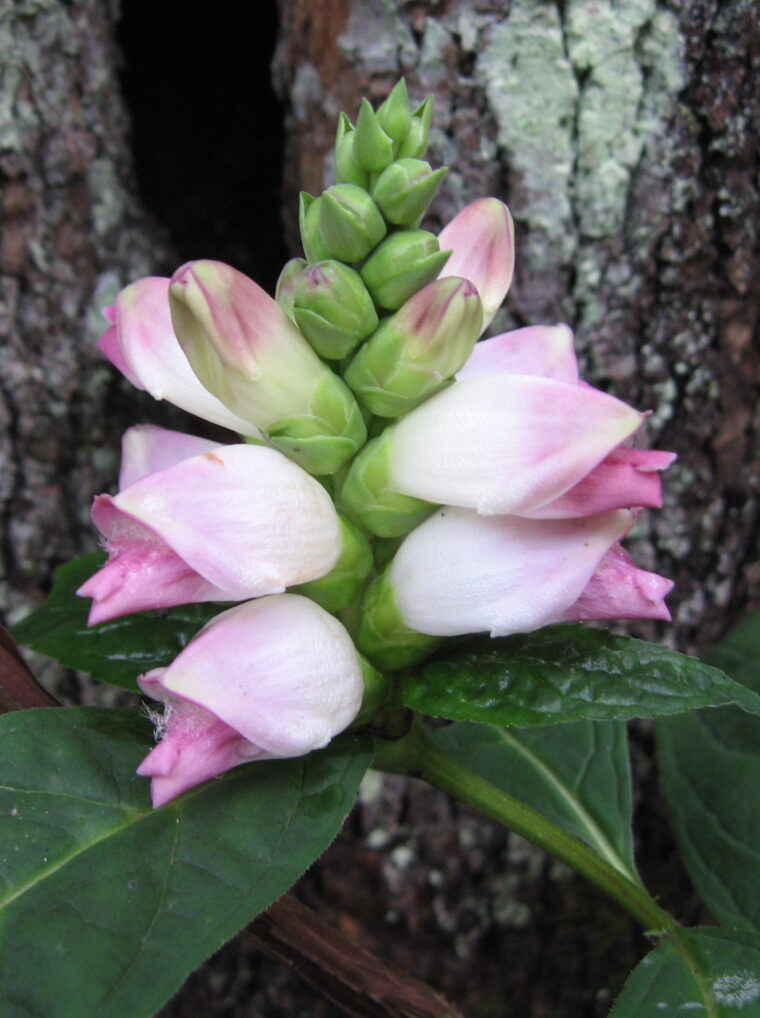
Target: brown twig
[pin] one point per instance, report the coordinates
(353, 978)
(348, 975)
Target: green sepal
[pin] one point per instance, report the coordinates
(340, 586)
(377, 689)
(405, 189)
(350, 223)
(333, 308)
(368, 496)
(383, 636)
(373, 148)
(416, 141)
(394, 115)
(286, 284)
(401, 265)
(314, 247)
(347, 169)
(324, 439)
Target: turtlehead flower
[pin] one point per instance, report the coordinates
(141, 343)
(460, 572)
(246, 350)
(518, 433)
(198, 521)
(626, 476)
(495, 443)
(507, 574)
(272, 678)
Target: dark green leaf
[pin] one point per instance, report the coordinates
(108, 904)
(116, 651)
(568, 673)
(710, 767)
(577, 775)
(720, 980)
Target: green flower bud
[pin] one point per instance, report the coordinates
(373, 148)
(415, 352)
(347, 169)
(382, 634)
(415, 143)
(286, 285)
(402, 265)
(308, 221)
(395, 116)
(340, 586)
(404, 190)
(350, 224)
(367, 492)
(326, 436)
(332, 308)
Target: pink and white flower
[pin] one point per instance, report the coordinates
(460, 572)
(198, 521)
(272, 678)
(503, 443)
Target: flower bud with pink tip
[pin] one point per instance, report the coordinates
(481, 239)
(141, 343)
(198, 521)
(246, 350)
(273, 678)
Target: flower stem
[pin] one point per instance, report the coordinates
(416, 754)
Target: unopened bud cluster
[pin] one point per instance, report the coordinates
(394, 484)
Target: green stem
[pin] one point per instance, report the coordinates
(418, 755)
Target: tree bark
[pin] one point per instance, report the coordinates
(72, 235)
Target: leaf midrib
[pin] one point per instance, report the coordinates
(599, 839)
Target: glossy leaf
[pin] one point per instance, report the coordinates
(108, 904)
(721, 979)
(116, 651)
(576, 775)
(567, 673)
(713, 792)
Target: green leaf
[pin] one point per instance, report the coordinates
(116, 651)
(577, 775)
(710, 768)
(567, 673)
(106, 904)
(720, 979)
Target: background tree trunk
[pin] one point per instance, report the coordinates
(72, 235)
(622, 136)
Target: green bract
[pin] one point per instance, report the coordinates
(332, 308)
(404, 190)
(401, 265)
(373, 148)
(368, 496)
(350, 224)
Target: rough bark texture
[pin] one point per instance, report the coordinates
(622, 135)
(72, 235)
